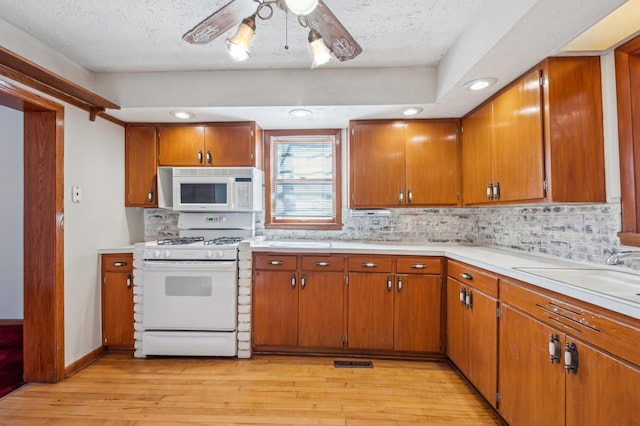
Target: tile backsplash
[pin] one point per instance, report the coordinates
(580, 232)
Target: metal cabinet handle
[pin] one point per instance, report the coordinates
(369, 265)
(554, 348)
(200, 157)
(150, 196)
(489, 191)
(401, 197)
(119, 264)
(129, 281)
(410, 196)
(463, 296)
(303, 282)
(467, 276)
(496, 191)
(399, 284)
(469, 300)
(209, 158)
(293, 280)
(419, 266)
(389, 283)
(570, 358)
(323, 263)
(275, 262)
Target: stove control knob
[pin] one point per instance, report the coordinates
(167, 253)
(156, 254)
(209, 254)
(219, 254)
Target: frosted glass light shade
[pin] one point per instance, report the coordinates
(238, 45)
(320, 51)
(301, 7)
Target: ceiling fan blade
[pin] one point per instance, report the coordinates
(335, 35)
(218, 23)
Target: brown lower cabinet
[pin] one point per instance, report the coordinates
(117, 301)
(344, 303)
(472, 325)
(556, 365)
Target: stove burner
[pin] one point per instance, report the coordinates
(223, 240)
(180, 241)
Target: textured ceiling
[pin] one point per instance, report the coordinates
(415, 52)
(146, 35)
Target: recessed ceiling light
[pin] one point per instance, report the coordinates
(300, 113)
(182, 115)
(480, 83)
(412, 111)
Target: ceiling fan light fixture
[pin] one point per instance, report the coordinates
(319, 51)
(238, 45)
(301, 7)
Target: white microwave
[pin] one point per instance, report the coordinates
(210, 189)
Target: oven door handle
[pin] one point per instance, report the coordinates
(172, 266)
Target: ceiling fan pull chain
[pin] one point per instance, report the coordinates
(286, 29)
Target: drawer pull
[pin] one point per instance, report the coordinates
(119, 264)
(419, 266)
(369, 265)
(467, 276)
(323, 263)
(276, 262)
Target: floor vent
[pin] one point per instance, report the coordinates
(352, 364)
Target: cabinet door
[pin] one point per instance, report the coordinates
(181, 146)
(229, 145)
(140, 167)
(417, 313)
(456, 326)
(432, 171)
(321, 309)
(275, 308)
(519, 163)
(482, 344)
(370, 323)
(477, 155)
(604, 390)
(377, 165)
(117, 301)
(531, 387)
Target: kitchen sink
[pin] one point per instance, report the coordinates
(300, 244)
(620, 284)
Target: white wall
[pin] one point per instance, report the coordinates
(11, 214)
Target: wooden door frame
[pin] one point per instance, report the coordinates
(43, 233)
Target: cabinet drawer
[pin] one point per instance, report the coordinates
(281, 262)
(418, 265)
(475, 277)
(323, 263)
(119, 262)
(589, 325)
(371, 264)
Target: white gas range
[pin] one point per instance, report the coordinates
(190, 286)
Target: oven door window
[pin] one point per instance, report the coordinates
(203, 193)
(188, 286)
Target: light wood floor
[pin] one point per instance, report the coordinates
(266, 390)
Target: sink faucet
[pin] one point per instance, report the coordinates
(615, 258)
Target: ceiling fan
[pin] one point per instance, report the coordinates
(326, 33)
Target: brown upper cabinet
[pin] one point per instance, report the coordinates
(140, 166)
(539, 139)
(403, 163)
(234, 144)
(627, 58)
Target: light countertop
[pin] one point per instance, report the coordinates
(503, 262)
(116, 250)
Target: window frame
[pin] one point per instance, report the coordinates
(307, 224)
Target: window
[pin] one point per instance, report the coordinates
(302, 176)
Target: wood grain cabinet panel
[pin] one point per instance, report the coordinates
(181, 146)
(117, 301)
(275, 308)
(403, 163)
(536, 138)
(140, 156)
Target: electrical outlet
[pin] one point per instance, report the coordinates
(76, 194)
